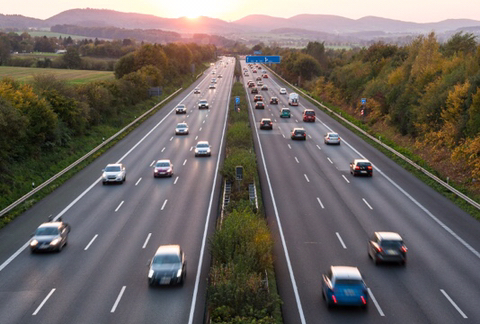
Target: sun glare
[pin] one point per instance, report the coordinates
(191, 9)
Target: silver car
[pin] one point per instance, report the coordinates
(51, 236)
(114, 173)
(387, 247)
(181, 109)
(283, 91)
(203, 104)
(181, 129)
(168, 266)
(331, 138)
(203, 149)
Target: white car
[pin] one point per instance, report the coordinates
(181, 129)
(163, 168)
(331, 138)
(181, 109)
(114, 173)
(283, 91)
(203, 148)
(212, 86)
(196, 91)
(203, 104)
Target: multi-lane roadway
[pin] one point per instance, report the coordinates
(321, 216)
(101, 276)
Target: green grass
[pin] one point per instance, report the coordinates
(41, 33)
(23, 74)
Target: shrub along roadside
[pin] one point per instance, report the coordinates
(242, 281)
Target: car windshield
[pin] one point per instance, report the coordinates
(181, 126)
(181, 106)
(202, 145)
(112, 168)
(348, 282)
(46, 231)
(392, 244)
(203, 102)
(162, 164)
(166, 259)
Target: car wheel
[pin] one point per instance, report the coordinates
(151, 282)
(364, 307)
(103, 182)
(60, 247)
(376, 260)
(403, 263)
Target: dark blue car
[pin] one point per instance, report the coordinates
(344, 286)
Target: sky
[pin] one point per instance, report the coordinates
(407, 10)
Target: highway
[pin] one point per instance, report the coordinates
(101, 276)
(321, 215)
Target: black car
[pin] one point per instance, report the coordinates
(254, 90)
(387, 247)
(168, 266)
(299, 133)
(259, 105)
(274, 100)
(50, 236)
(266, 123)
(361, 167)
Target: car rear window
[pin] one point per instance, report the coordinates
(363, 164)
(392, 244)
(348, 282)
(310, 113)
(299, 132)
(332, 135)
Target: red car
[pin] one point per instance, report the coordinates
(258, 98)
(309, 115)
(265, 76)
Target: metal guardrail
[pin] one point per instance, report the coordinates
(80, 160)
(398, 154)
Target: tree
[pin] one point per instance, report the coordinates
(460, 42)
(4, 49)
(317, 51)
(473, 124)
(72, 58)
(125, 65)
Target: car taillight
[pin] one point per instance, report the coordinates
(403, 249)
(357, 168)
(369, 167)
(379, 249)
(304, 135)
(334, 299)
(363, 300)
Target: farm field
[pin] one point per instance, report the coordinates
(47, 33)
(23, 74)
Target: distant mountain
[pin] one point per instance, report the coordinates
(21, 22)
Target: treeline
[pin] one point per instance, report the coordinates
(426, 92)
(37, 119)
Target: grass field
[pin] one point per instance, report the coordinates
(71, 76)
(41, 33)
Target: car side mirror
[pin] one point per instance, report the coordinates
(103, 170)
(123, 168)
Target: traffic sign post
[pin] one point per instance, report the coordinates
(237, 104)
(263, 59)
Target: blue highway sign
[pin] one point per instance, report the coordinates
(364, 101)
(237, 100)
(263, 59)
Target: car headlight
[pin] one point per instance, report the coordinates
(33, 243)
(150, 273)
(55, 241)
(196, 150)
(104, 175)
(179, 273)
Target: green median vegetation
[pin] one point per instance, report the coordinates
(242, 280)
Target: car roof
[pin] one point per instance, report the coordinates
(307, 109)
(389, 236)
(203, 99)
(332, 133)
(286, 109)
(181, 105)
(266, 119)
(163, 160)
(51, 224)
(202, 142)
(114, 164)
(361, 160)
(299, 128)
(168, 249)
(343, 272)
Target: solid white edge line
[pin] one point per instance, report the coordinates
(375, 302)
(366, 203)
(119, 205)
(320, 202)
(138, 181)
(164, 203)
(90, 243)
(118, 299)
(146, 241)
(282, 237)
(176, 179)
(341, 241)
(453, 303)
(306, 178)
(344, 177)
(43, 302)
(205, 231)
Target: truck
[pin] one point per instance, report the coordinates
(293, 99)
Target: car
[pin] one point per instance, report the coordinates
(309, 115)
(254, 71)
(114, 172)
(266, 123)
(259, 78)
(168, 266)
(264, 87)
(387, 247)
(254, 90)
(211, 86)
(214, 80)
(220, 76)
(181, 129)
(246, 74)
(203, 104)
(343, 285)
(257, 98)
(299, 133)
(265, 76)
(251, 84)
(213, 72)
(285, 113)
(361, 167)
(196, 91)
(259, 83)
(264, 71)
(181, 109)
(331, 138)
(163, 168)
(50, 236)
(203, 148)
(259, 105)
(274, 100)
(283, 91)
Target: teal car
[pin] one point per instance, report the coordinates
(285, 113)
